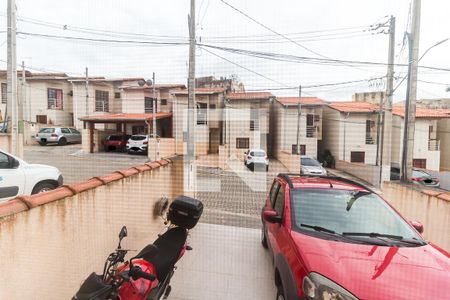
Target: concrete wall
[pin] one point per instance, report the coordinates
(332, 132)
(430, 208)
(443, 134)
(290, 161)
(368, 173)
(5, 142)
(50, 249)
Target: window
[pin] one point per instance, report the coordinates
(430, 132)
(117, 95)
(254, 119)
(202, 113)
(316, 118)
(74, 131)
(357, 156)
(273, 192)
(41, 119)
(54, 99)
(370, 128)
(163, 101)
(420, 163)
(101, 101)
(138, 130)
(279, 202)
(212, 106)
(302, 149)
(4, 92)
(242, 143)
(4, 161)
(148, 105)
(65, 130)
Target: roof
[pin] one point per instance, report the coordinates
(157, 86)
(113, 118)
(422, 112)
(249, 96)
(289, 101)
(354, 107)
(200, 91)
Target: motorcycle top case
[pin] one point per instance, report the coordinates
(185, 212)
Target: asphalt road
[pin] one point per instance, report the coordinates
(77, 166)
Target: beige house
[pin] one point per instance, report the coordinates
(427, 143)
(248, 120)
(46, 98)
(209, 125)
(285, 122)
(350, 131)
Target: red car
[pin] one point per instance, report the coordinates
(332, 238)
(116, 142)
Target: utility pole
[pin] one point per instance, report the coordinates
(87, 92)
(154, 118)
(11, 102)
(299, 116)
(190, 168)
(386, 134)
(23, 105)
(410, 104)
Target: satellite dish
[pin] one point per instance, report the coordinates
(141, 82)
(148, 82)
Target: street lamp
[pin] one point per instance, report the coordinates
(149, 82)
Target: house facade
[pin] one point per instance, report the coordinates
(209, 125)
(427, 143)
(350, 131)
(286, 121)
(248, 119)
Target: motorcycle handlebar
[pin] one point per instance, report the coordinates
(136, 273)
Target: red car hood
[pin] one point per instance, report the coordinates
(378, 272)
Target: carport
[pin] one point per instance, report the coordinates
(163, 123)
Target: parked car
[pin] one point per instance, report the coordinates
(59, 135)
(310, 166)
(423, 178)
(20, 178)
(418, 176)
(138, 143)
(256, 158)
(3, 126)
(116, 142)
(332, 238)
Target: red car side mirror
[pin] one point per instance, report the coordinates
(271, 216)
(417, 225)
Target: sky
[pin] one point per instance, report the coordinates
(321, 28)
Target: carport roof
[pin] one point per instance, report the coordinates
(115, 118)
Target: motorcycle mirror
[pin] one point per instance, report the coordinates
(123, 233)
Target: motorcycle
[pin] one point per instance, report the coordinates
(146, 275)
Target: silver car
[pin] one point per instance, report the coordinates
(58, 135)
(310, 166)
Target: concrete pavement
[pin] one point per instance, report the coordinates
(227, 262)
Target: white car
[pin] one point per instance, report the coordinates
(20, 178)
(256, 157)
(310, 166)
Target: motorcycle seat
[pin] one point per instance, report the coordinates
(169, 245)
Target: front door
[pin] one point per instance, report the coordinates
(214, 140)
(12, 180)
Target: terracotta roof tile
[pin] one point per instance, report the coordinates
(200, 91)
(157, 86)
(126, 117)
(422, 112)
(249, 96)
(355, 107)
(11, 207)
(287, 101)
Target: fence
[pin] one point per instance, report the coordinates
(50, 242)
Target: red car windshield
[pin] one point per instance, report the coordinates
(344, 212)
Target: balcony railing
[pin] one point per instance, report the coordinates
(370, 140)
(434, 145)
(311, 131)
